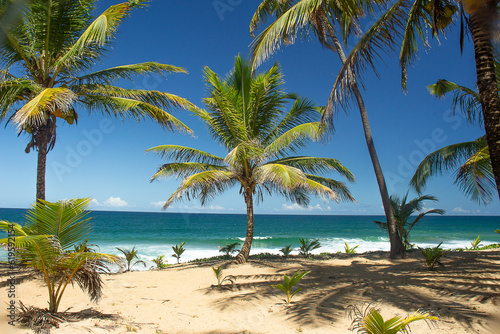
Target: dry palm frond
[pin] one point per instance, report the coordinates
(37, 319)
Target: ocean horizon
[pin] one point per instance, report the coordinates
(154, 233)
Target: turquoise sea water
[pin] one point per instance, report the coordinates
(155, 233)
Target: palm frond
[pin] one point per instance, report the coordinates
(443, 160)
(127, 72)
(183, 169)
(99, 32)
(283, 30)
(415, 28)
(294, 139)
(245, 151)
(329, 188)
(203, 186)
(185, 154)
(14, 91)
(124, 107)
(465, 98)
(380, 39)
(316, 165)
(475, 177)
(53, 100)
(65, 219)
(302, 111)
(284, 176)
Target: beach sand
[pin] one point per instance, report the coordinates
(181, 299)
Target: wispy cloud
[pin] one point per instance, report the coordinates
(459, 209)
(158, 204)
(296, 207)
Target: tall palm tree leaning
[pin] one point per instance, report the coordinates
(469, 160)
(45, 56)
(245, 114)
(406, 24)
(296, 18)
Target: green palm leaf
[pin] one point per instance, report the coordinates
(185, 154)
(99, 32)
(127, 72)
(454, 157)
(294, 139)
(467, 99)
(64, 219)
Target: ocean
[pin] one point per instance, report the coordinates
(154, 233)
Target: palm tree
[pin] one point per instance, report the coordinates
(245, 114)
(296, 18)
(469, 160)
(45, 58)
(54, 242)
(403, 211)
(130, 255)
(406, 24)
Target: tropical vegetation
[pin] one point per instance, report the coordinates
(367, 319)
(46, 57)
(54, 242)
(470, 161)
(288, 283)
(307, 246)
(432, 255)
(407, 25)
(130, 255)
(229, 249)
(245, 114)
(403, 213)
(221, 279)
(178, 251)
(326, 20)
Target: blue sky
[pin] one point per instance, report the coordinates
(104, 158)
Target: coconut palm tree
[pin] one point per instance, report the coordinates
(54, 242)
(469, 160)
(130, 255)
(46, 58)
(297, 18)
(406, 25)
(403, 211)
(246, 115)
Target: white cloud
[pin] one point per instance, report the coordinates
(115, 202)
(158, 204)
(296, 207)
(459, 209)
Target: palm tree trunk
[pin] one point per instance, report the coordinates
(397, 249)
(242, 256)
(481, 24)
(42, 143)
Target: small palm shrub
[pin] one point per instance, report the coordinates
(221, 278)
(53, 241)
(130, 255)
(160, 262)
(230, 249)
(476, 243)
(288, 283)
(286, 251)
(432, 255)
(368, 320)
(349, 250)
(306, 248)
(178, 251)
